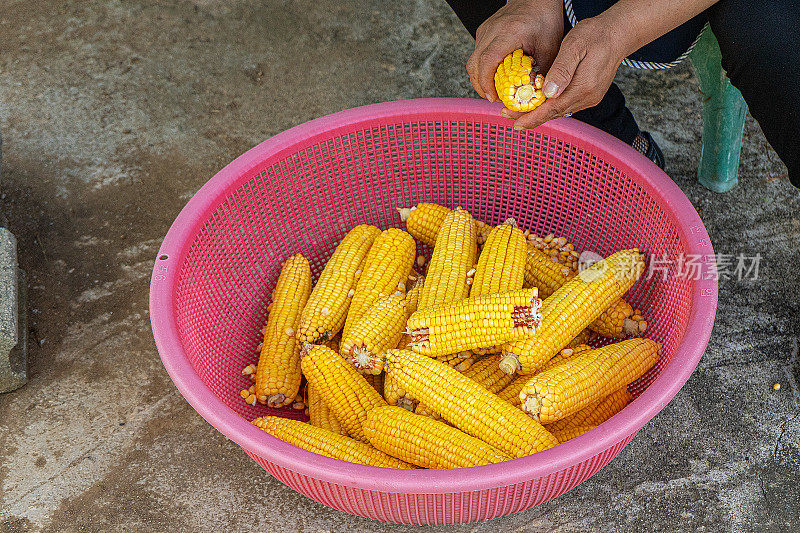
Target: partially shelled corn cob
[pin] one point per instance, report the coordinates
(467, 405)
(517, 86)
(348, 395)
(278, 372)
(471, 323)
(575, 305)
(324, 442)
(326, 309)
(424, 220)
(385, 272)
(453, 257)
(424, 442)
(567, 388)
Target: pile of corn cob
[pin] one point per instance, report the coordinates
(482, 360)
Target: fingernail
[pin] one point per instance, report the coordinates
(518, 128)
(490, 98)
(550, 89)
(504, 113)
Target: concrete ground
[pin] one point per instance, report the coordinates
(114, 113)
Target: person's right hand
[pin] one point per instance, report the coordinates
(536, 26)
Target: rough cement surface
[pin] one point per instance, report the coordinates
(115, 113)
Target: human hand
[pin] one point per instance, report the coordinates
(580, 75)
(536, 26)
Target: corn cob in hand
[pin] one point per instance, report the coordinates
(518, 87)
(424, 442)
(278, 372)
(326, 309)
(475, 322)
(467, 405)
(567, 388)
(327, 443)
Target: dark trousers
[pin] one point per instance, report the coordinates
(760, 43)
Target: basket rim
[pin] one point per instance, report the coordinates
(626, 423)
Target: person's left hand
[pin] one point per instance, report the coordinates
(580, 75)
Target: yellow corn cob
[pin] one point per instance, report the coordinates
(425, 442)
(567, 388)
(573, 307)
(543, 272)
(325, 312)
(324, 442)
(453, 256)
(511, 391)
(385, 272)
(501, 264)
(477, 322)
(395, 394)
(424, 220)
(319, 413)
(379, 329)
(517, 85)
(595, 413)
(412, 296)
(348, 395)
(467, 405)
(565, 434)
(278, 372)
(486, 373)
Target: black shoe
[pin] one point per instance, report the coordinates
(646, 145)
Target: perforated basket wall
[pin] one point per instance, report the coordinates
(302, 191)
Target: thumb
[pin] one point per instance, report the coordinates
(562, 69)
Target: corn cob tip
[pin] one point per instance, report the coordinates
(531, 405)
(404, 212)
(630, 327)
(511, 222)
(509, 364)
(363, 359)
(277, 400)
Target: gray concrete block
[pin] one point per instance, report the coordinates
(13, 329)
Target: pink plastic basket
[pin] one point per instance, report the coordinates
(300, 191)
